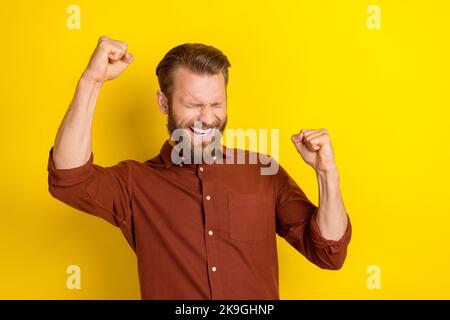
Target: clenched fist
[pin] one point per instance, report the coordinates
(315, 148)
(110, 58)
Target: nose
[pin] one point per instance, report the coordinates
(207, 115)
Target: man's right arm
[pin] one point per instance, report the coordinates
(73, 143)
(73, 178)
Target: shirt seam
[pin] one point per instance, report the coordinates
(130, 195)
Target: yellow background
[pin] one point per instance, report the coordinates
(382, 94)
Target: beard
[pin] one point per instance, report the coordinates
(173, 123)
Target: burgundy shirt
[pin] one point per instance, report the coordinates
(201, 231)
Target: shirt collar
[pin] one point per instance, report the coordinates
(166, 151)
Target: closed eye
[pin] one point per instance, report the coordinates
(214, 105)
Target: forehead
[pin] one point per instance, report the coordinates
(198, 87)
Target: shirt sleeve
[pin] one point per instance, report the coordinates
(296, 223)
(101, 191)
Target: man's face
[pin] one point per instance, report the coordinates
(200, 98)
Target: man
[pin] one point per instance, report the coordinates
(199, 230)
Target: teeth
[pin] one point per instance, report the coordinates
(200, 131)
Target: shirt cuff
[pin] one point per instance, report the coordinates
(333, 245)
(71, 176)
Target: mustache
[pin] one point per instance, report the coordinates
(203, 125)
(218, 124)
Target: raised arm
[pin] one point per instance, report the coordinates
(73, 178)
(73, 143)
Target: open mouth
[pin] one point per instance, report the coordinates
(200, 132)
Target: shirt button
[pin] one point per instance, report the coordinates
(210, 232)
(213, 269)
(201, 169)
(208, 197)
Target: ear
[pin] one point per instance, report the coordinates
(162, 102)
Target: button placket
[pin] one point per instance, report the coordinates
(210, 240)
(182, 162)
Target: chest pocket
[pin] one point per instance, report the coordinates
(248, 217)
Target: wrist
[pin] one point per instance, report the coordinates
(86, 93)
(88, 80)
(330, 173)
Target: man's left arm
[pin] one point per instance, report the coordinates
(331, 214)
(315, 148)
